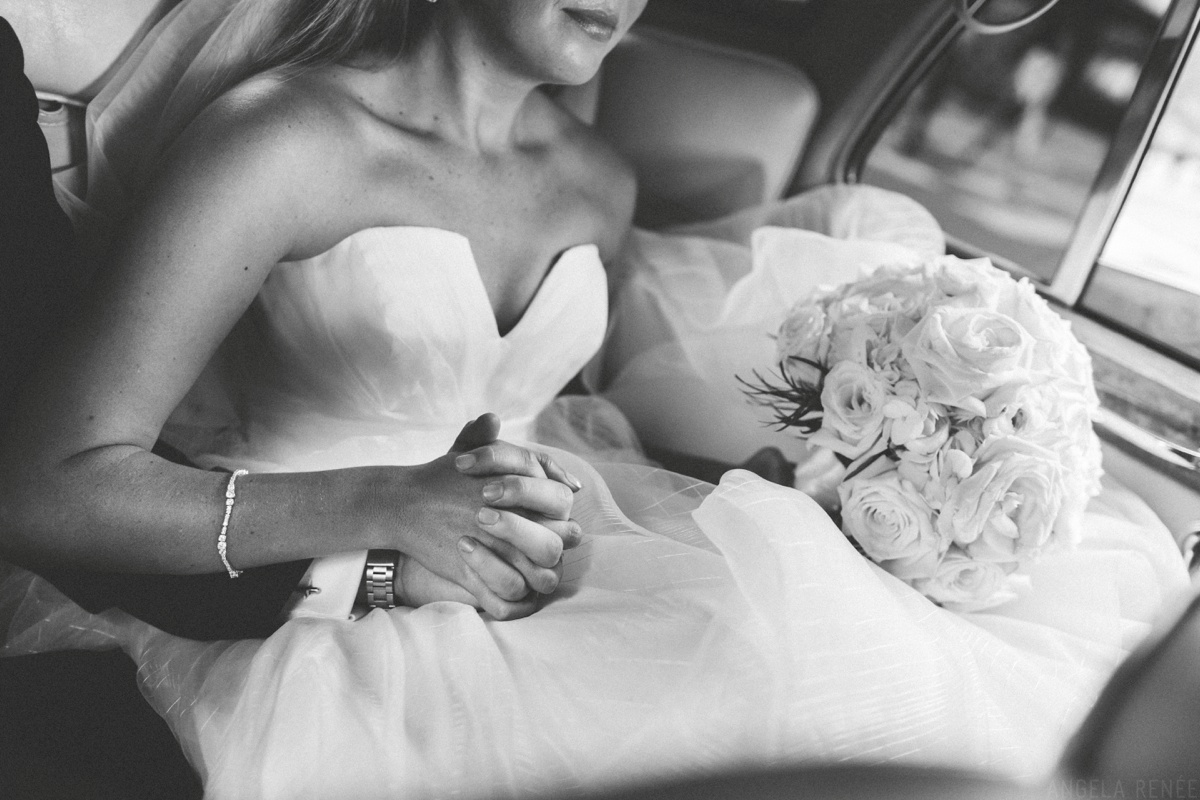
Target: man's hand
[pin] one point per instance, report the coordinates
(522, 525)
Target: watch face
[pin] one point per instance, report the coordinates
(382, 558)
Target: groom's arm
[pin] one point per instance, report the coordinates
(41, 274)
(40, 268)
(203, 607)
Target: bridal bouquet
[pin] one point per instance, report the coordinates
(960, 405)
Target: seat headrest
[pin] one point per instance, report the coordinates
(72, 47)
(709, 129)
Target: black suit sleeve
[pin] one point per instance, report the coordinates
(205, 607)
(41, 273)
(40, 269)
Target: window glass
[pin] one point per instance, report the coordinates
(1004, 138)
(1148, 278)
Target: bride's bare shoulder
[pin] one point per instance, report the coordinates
(271, 146)
(600, 176)
(266, 115)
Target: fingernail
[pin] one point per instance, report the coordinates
(576, 484)
(493, 491)
(488, 516)
(465, 461)
(466, 544)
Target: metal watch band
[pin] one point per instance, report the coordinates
(379, 578)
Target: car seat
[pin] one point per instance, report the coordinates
(709, 129)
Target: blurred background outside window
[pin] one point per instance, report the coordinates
(1003, 141)
(1005, 136)
(1148, 276)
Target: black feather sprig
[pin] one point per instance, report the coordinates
(794, 404)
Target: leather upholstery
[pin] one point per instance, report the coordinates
(65, 127)
(72, 47)
(709, 129)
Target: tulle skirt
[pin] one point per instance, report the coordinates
(697, 628)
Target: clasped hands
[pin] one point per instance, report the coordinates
(498, 518)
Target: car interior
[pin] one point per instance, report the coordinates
(724, 104)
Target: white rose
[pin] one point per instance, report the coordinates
(803, 334)
(907, 389)
(891, 289)
(1056, 352)
(869, 339)
(853, 401)
(963, 584)
(850, 339)
(1044, 410)
(966, 440)
(1006, 510)
(961, 355)
(872, 315)
(954, 463)
(937, 474)
(1082, 471)
(1057, 416)
(1020, 408)
(916, 425)
(971, 283)
(917, 470)
(893, 524)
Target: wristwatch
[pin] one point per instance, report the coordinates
(379, 578)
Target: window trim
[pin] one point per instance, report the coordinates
(1152, 400)
(1177, 32)
(1129, 145)
(941, 27)
(1165, 389)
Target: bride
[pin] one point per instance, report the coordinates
(347, 227)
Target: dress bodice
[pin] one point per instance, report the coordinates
(380, 349)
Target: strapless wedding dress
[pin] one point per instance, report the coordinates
(697, 627)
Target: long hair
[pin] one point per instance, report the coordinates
(293, 36)
(201, 50)
(315, 33)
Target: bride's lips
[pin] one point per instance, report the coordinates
(598, 23)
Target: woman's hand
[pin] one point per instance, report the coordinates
(526, 491)
(417, 586)
(520, 504)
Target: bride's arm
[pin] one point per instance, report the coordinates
(78, 483)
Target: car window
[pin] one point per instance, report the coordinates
(1068, 150)
(1005, 137)
(1148, 276)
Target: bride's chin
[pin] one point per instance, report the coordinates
(565, 52)
(574, 65)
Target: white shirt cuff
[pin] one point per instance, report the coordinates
(329, 587)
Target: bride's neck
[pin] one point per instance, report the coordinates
(446, 85)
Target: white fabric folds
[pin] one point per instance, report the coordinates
(698, 627)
